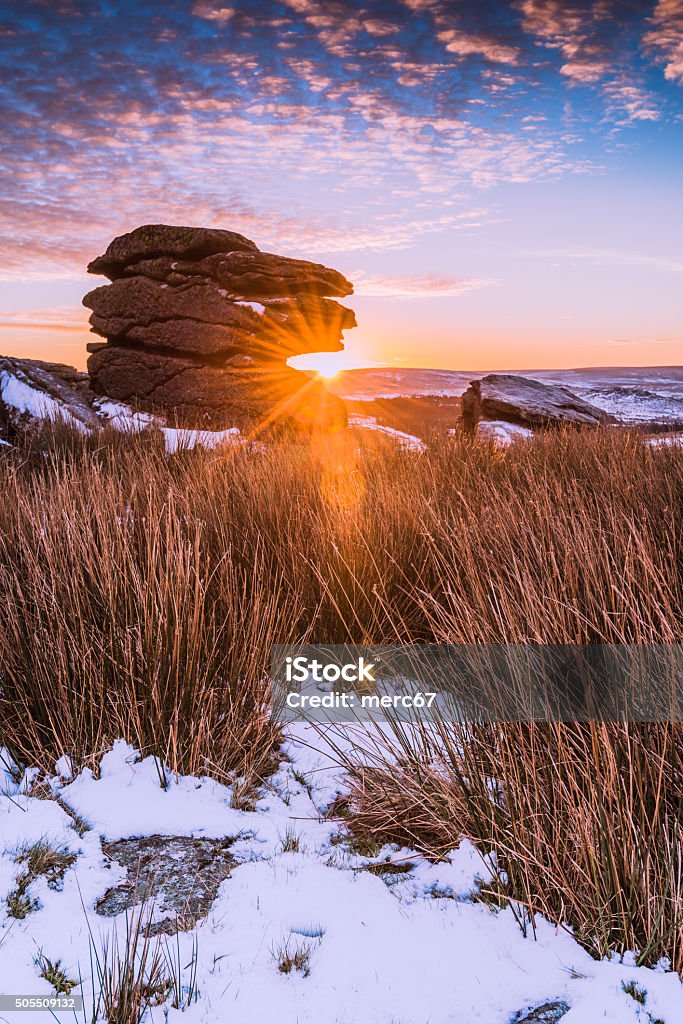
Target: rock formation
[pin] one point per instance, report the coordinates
(199, 324)
(32, 390)
(528, 403)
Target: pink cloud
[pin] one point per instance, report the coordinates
(666, 37)
(416, 286)
(571, 30)
(212, 11)
(467, 45)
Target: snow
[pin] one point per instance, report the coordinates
(175, 438)
(502, 433)
(19, 395)
(122, 417)
(258, 307)
(665, 440)
(125, 419)
(405, 440)
(412, 948)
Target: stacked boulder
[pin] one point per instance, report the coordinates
(199, 325)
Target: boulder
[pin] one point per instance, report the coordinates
(199, 325)
(32, 391)
(139, 301)
(150, 240)
(513, 399)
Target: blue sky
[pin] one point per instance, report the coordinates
(501, 181)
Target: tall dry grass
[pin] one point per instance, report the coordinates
(141, 594)
(580, 823)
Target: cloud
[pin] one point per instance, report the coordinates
(612, 258)
(665, 38)
(310, 126)
(212, 11)
(626, 342)
(64, 318)
(468, 45)
(634, 102)
(574, 30)
(416, 286)
(378, 27)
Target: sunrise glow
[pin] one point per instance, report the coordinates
(500, 182)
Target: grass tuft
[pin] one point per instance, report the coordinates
(293, 955)
(54, 973)
(38, 860)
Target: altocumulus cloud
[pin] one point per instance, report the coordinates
(311, 125)
(416, 286)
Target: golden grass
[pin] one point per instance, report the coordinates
(142, 593)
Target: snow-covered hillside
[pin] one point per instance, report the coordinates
(631, 394)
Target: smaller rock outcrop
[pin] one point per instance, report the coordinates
(32, 390)
(528, 403)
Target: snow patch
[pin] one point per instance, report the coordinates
(28, 401)
(665, 441)
(405, 440)
(125, 419)
(176, 438)
(502, 433)
(258, 307)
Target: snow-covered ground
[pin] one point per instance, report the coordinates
(411, 948)
(18, 395)
(125, 419)
(403, 439)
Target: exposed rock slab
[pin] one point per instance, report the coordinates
(502, 396)
(179, 875)
(256, 275)
(544, 1013)
(247, 275)
(196, 318)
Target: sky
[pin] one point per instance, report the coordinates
(501, 181)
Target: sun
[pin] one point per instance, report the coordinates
(328, 372)
(323, 364)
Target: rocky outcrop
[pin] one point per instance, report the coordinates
(32, 391)
(199, 325)
(528, 403)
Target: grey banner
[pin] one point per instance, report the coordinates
(48, 1005)
(478, 682)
